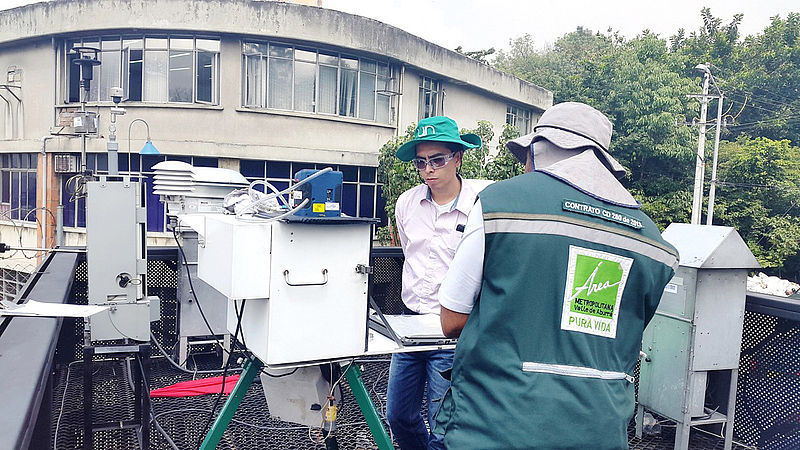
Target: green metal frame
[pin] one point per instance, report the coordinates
(251, 371)
(353, 375)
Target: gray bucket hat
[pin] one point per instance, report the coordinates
(571, 125)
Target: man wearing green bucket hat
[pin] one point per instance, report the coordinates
(430, 220)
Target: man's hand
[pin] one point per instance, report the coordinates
(452, 322)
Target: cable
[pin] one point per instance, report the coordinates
(152, 411)
(177, 366)
(259, 203)
(240, 422)
(61, 409)
(194, 293)
(224, 374)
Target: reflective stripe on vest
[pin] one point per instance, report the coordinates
(579, 229)
(575, 371)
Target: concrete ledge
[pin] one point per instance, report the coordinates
(265, 20)
(27, 347)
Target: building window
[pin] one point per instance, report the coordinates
(429, 94)
(156, 69)
(18, 186)
(361, 194)
(292, 78)
(139, 167)
(520, 118)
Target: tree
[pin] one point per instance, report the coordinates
(639, 85)
(758, 195)
(478, 55)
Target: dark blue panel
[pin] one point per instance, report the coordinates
(81, 212)
(251, 168)
(278, 169)
(350, 173)
(16, 160)
(202, 161)
(102, 162)
(6, 158)
(24, 160)
(155, 209)
(297, 167)
(148, 161)
(381, 208)
(136, 162)
(23, 195)
(123, 162)
(186, 159)
(91, 161)
(5, 186)
(349, 198)
(15, 195)
(367, 174)
(280, 185)
(34, 160)
(69, 207)
(259, 187)
(366, 201)
(32, 195)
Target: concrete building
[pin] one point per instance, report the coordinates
(266, 88)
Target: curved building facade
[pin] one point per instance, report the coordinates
(265, 88)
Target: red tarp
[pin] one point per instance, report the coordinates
(196, 387)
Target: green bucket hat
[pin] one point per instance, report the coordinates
(436, 129)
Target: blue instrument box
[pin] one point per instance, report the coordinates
(324, 194)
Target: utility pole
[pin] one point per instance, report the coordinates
(713, 190)
(700, 164)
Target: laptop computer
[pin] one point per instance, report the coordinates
(410, 330)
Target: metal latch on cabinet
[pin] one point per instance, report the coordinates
(364, 269)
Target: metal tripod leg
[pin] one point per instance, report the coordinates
(353, 375)
(250, 372)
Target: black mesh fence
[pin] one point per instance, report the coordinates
(768, 391)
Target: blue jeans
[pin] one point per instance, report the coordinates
(408, 373)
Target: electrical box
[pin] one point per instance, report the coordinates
(324, 194)
(76, 122)
(697, 328)
(300, 287)
(65, 163)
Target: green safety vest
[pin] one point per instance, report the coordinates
(547, 356)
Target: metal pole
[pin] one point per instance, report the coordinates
(60, 225)
(699, 169)
(713, 190)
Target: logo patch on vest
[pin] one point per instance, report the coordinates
(603, 213)
(595, 283)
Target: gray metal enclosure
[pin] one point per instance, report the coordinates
(214, 305)
(697, 329)
(117, 259)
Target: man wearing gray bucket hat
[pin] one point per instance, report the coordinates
(554, 281)
(430, 219)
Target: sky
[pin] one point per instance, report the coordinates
(480, 24)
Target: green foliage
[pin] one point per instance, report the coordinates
(758, 195)
(642, 85)
(397, 177)
(638, 83)
(478, 55)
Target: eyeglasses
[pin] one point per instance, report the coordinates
(437, 162)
